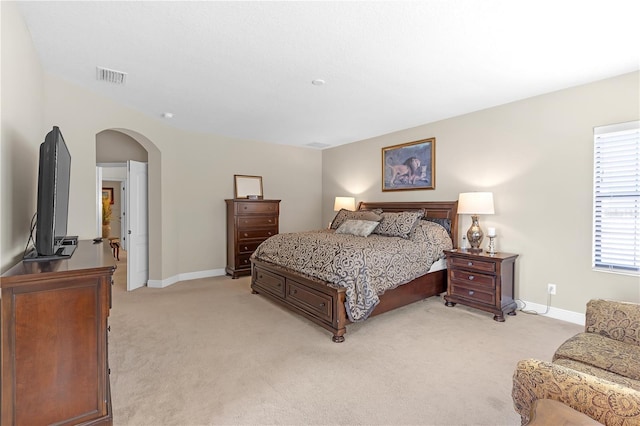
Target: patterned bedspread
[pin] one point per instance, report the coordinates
(365, 267)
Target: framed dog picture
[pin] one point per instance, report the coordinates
(410, 165)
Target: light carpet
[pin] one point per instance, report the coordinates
(208, 352)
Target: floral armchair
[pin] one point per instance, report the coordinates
(596, 372)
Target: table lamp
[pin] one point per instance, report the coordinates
(475, 203)
(347, 203)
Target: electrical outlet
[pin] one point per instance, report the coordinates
(551, 288)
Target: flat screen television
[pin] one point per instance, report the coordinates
(54, 173)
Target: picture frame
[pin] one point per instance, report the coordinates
(108, 194)
(245, 186)
(409, 166)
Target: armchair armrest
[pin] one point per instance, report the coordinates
(604, 401)
(615, 320)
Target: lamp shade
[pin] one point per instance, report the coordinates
(475, 203)
(347, 203)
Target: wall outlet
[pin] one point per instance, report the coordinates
(551, 288)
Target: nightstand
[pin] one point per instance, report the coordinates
(482, 281)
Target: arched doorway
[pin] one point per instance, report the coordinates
(123, 161)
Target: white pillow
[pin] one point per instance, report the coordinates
(360, 228)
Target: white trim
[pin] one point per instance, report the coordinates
(185, 277)
(557, 313)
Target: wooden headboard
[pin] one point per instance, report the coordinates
(433, 209)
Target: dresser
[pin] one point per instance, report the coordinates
(249, 222)
(482, 281)
(54, 365)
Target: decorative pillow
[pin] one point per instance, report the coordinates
(398, 224)
(361, 228)
(343, 215)
(428, 231)
(445, 223)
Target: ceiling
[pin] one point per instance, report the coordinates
(245, 69)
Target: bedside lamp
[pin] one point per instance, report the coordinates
(347, 203)
(475, 203)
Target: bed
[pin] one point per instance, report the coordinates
(327, 302)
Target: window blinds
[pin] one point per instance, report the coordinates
(616, 214)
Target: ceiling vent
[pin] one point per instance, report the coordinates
(111, 76)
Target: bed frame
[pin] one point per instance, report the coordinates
(323, 302)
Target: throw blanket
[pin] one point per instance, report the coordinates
(365, 267)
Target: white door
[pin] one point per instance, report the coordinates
(137, 225)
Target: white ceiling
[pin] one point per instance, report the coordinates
(244, 69)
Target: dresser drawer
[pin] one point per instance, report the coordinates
(310, 300)
(254, 234)
(479, 265)
(243, 261)
(253, 207)
(469, 277)
(245, 222)
(270, 282)
(248, 246)
(472, 293)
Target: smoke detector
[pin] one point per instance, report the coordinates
(110, 76)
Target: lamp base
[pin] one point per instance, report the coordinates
(475, 235)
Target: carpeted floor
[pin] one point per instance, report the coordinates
(208, 352)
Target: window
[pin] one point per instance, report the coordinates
(616, 201)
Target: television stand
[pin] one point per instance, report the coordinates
(54, 339)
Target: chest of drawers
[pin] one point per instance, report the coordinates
(482, 281)
(249, 223)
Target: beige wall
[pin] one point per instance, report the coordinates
(21, 131)
(536, 156)
(190, 175)
(117, 147)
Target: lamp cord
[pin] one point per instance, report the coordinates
(524, 305)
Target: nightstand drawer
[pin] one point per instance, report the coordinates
(480, 265)
(469, 277)
(477, 294)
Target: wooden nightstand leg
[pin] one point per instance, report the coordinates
(499, 318)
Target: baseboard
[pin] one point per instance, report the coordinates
(185, 277)
(557, 313)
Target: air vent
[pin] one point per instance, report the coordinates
(111, 76)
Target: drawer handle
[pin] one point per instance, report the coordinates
(246, 235)
(471, 277)
(471, 292)
(245, 261)
(279, 284)
(322, 305)
(470, 264)
(245, 207)
(295, 291)
(270, 220)
(260, 276)
(269, 233)
(246, 248)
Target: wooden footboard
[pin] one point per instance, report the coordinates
(323, 303)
